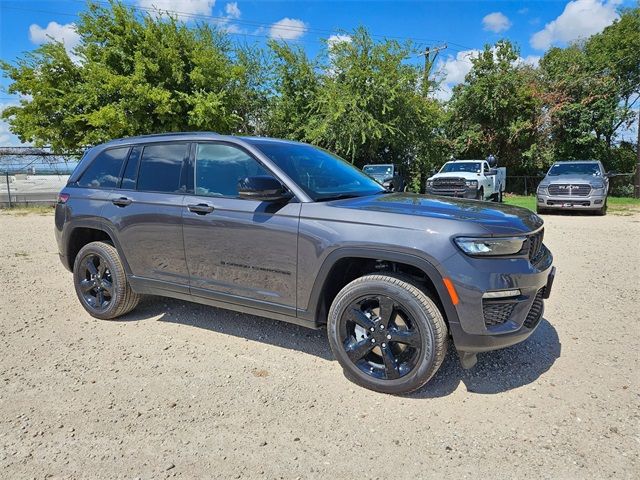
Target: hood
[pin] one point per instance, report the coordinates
(495, 218)
(465, 175)
(573, 178)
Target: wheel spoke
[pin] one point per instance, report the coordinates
(107, 286)
(408, 337)
(86, 285)
(390, 367)
(386, 310)
(99, 298)
(90, 266)
(102, 266)
(357, 350)
(356, 315)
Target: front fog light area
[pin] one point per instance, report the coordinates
(502, 294)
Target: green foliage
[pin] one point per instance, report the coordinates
(135, 76)
(496, 109)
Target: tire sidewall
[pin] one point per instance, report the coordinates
(423, 370)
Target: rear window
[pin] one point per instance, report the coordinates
(104, 171)
(160, 168)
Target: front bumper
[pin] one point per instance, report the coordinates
(468, 192)
(476, 330)
(591, 202)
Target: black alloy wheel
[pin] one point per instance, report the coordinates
(96, 284)
(387, 333)
(380, 337)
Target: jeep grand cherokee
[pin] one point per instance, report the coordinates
(292, 232)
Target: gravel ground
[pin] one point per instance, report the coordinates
(180, 390)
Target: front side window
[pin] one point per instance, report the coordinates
(219, 167)
(160, 168)
(104, 171)
(320, 174)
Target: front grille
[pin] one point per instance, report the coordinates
(535, 247)
(496, 313)
(448, 183)
(535, 314)
(570, 189)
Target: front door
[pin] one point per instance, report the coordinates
(238, 250)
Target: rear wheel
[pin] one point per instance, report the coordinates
(101, 283)
(387, 334)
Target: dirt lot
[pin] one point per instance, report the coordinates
(180, 390)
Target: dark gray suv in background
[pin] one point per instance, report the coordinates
(289, 231)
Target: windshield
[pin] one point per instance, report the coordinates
(575, 169)
(378, 170)
(319, 173)
(469, 167)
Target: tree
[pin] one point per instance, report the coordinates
(496, 110)
(136, 75)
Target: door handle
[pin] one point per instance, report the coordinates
(122, 201)
(200, 208)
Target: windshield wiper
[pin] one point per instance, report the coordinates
(339, 196)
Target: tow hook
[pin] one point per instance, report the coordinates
(468, 359)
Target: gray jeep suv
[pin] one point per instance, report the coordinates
(289, 231)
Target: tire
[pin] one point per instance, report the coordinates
(499, 196)
(540, 211)
(602, 211)
(480, 195)
(382, 364)
(101, 283)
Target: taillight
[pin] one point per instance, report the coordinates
(63, 197)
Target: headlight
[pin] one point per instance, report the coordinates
(429, 183)
(542, 188)
(490, 246)
(471, 183)
(597, 186)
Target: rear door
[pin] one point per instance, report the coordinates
(145, 213)
(238, 250)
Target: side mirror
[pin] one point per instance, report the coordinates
(610, 174)
(492, 171)
(263, 188)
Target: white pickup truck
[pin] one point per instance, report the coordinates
(469, 179)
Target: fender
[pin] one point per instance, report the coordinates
(421, 263)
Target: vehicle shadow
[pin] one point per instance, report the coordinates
(500, 370)
(496, 371)
(227, 322)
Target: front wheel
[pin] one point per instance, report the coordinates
(387, 334)
(101, 283)
(480, 194)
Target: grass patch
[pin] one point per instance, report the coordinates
(29, 210)
(616, 205)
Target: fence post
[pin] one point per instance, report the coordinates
(526, 191)
(8, 188)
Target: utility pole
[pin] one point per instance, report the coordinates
(430, 54)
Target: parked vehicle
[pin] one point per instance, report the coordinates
(291, 232)
(469, 179)
(387, 175)
(574, 185)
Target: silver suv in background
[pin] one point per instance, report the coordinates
(574, 185)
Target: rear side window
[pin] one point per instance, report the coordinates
(130, 174)
(161, 166)
(104, 171)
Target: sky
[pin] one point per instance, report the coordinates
(464, 26)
